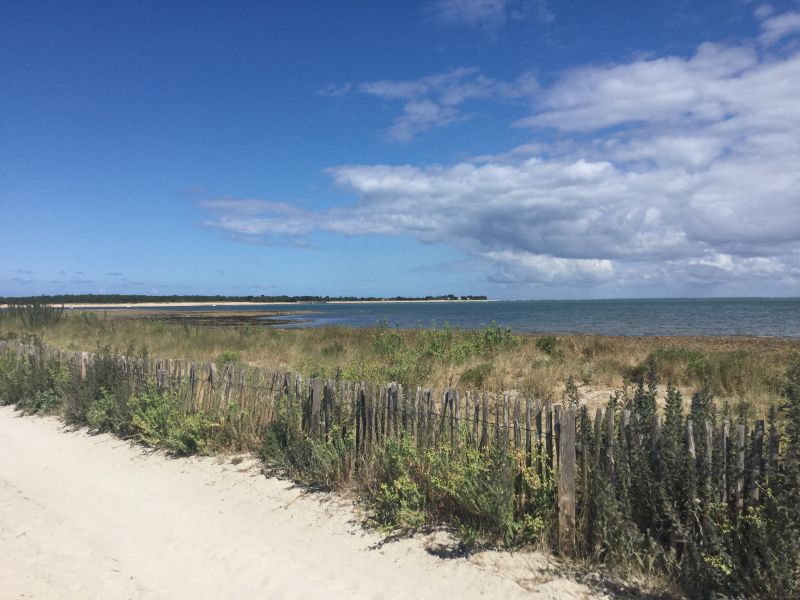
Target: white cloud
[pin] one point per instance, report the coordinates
(435, 100)
(675, 171)
(248, 219)
(525, 267)
(780, 26)
(701, 89)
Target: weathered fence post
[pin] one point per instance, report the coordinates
(548, 438)
(556, 432)
(485, 423)
(610, 427)
(505, 424)
(741, 435)
(755, 459)
(725, 434)
(456, 415)
(84, 359)
(528, 445)
(316, 404)
(598, 442)
(566, 483)
(709, 442)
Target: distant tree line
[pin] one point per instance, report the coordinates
(138, 298)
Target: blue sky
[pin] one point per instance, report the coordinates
(514, 148)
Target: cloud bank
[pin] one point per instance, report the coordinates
(674, 171)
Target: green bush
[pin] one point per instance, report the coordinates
(33, 383)
(228, 357)
(547, 344)
(158, 419)
(102, 414)
(398, 501)
(108, 381)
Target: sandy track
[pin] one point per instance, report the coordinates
(94, 517)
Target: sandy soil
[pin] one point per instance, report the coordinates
(86, 516)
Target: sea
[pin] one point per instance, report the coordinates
(764, 317)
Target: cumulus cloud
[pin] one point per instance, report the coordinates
(436, 100)
(675, 171)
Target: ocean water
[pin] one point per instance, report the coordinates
(769, 317)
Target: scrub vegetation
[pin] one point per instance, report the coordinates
(491, 358)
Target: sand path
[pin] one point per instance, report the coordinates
(86, 516)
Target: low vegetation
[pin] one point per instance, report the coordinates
(491, 358)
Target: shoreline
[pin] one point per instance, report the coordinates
(134, 305)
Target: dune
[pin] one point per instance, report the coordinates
(93, 516)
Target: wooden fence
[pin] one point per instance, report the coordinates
(551, 439)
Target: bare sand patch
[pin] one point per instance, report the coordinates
(85, 516)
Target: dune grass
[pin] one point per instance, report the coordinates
(491, 358)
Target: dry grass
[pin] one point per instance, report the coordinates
(734, 368)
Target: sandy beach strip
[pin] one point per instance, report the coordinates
(92, 516)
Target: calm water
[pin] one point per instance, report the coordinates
(778, 317)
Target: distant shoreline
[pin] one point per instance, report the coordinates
(134, 305)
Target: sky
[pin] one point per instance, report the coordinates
(521, 149)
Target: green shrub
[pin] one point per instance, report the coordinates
(486, 341)
(102, 414)
(475, 490)
(158, 419)
(228, 357)
(33, 383)
(547, 344)
(108, 381)
(398, 501)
